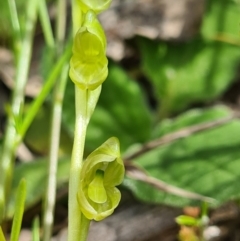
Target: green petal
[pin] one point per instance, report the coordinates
(93, 26)
(114, 173)
(107, 152)
(89, 64)
(114, 197)
(96, 5)
(110, 147)
(91, 165)
(88, 75)
(96, 189)
(87, 46)
(107, 158)
(92, 210)
(85, 206)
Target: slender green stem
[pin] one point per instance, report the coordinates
(74, 212)
(74, 215)
(35, 230)
(59, 91)
(19, 209)
(46, 24)
(15, 25)
(85, 223)
(61, 23)
(9, 145)
(53, 158)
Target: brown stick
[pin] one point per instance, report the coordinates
(139, 174)
(135, 172)
(185, 132)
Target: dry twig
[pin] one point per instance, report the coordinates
(135, 172)
(183, 133)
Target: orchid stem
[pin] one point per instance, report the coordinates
(74, 216)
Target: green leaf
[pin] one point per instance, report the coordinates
(19, 209)
(186, 73)
(2, 238)
(38, 134)
(36, 229)
(5, 21)
(200, 70)
(35, 174)
(121, 112)
(189, 118)
(221, 17)
(207, 163)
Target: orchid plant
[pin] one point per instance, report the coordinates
(92, 183)
(92, 191)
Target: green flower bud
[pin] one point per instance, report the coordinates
(101, 172)
(88, 65)
(96, 5)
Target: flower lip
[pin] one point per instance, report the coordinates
(96, 189)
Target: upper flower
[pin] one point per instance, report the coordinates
(101, 172)
(96, 5)
(88, 65)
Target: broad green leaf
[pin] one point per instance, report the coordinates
(192, 117)
(2, 238)
(207, 162)
(121, 112)
(186, 73)
(38, 134)
(35, 174)
(221, 17)
(5, 22)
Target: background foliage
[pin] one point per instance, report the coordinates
(183, 76)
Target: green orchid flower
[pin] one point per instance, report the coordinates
(96, 5)
(101, 172)
(89, 64)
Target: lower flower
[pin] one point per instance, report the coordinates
(101, 172)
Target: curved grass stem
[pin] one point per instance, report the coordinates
(46, 24)
(9, 145)
(50, 198)
(19, 209)
(15, 25)
(43, 94)
(59, 90)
